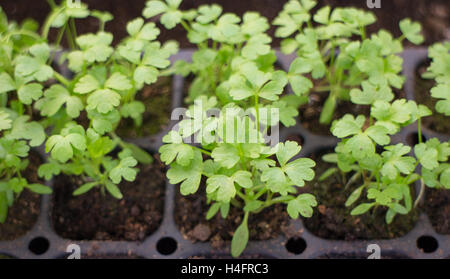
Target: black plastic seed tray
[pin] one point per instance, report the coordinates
(167, 242)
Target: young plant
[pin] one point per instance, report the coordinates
(223, 42)
(19, 86)
(241, 170)
(333, 48)
(85, 110)
(386, 175)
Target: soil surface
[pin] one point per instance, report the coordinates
(437, 207)
(332, 220)
(437, 122)
(23, 214)
(157, 99)
(93, 216)
(190, 216)
(433, 14)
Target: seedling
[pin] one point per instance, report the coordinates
(387, 175)
(81, 112)
(224, 42)
(105, 82)
(241, 170)
(19, 86)
(332, 47)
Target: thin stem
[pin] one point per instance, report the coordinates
(49, 21)
(419, 130)
(73, 27)
(58, 41)
(202, 150)
(61, 79)
(420, 196)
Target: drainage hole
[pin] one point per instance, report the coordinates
(296, 245)
(166, 245)
(427, 244)
(39, 245)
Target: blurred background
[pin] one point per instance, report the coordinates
(434, 15)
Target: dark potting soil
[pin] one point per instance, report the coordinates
(332, 219)
(437, 122)
(157, 99)
(190, 216)
(437, 207)
(93, 216)
(23, 214)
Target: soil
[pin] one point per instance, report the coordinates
(93, 216)
(437, 122)
(433, 14)
(437, 207)
(190, 216)
(23, 214)
(332, 220)
(157, 100)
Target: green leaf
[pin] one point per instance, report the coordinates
(226, 155)
(48, 170)
(395, 161)
(113, 189)
(411, 30)
(442, 91)
(62, 147)
(139, 154)
(378, 134)
(300, 170)
(240, 239)
(222, 185)
(86, 84)
(118, 81)
(103, 100)
(190, 176)
(303, 205)
(300, 84)
(124, 170)
(154, 8)
(354, 196)
(212, 211)
(5, 121)
(370, 94)
(328, 110)
(6, 83)
(55, 97)
(32, 131)
(362, 208)
(243, 178)
(287, 150)
(428, 157)
(39, 189)
(347, 126)
(208, 13)
(175, 148)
